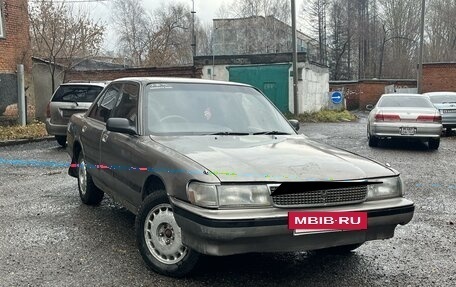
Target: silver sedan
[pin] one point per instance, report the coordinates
(446, 103)
(404, 116)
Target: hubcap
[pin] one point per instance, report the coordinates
(82, 176)
(163, 236)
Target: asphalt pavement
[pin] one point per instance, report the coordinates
(49, 238)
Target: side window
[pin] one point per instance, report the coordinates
(102, 108)
(127, 104)
(2, 21)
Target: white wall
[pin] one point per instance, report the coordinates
(221, 73)
(312, 89)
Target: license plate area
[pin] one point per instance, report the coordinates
(312, 222)
(408, 131)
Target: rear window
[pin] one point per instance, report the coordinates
(443, 99)
(404, 102)
(76, 93)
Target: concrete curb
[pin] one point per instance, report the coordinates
(24, 141)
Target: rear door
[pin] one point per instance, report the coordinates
(95, 125)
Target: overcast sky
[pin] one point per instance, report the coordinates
(206, 10)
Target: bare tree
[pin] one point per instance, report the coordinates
(61, 33)
(401, 34)
(280, 9)
(170, 43)
(314, 13)
(132, 25)
(440, 31)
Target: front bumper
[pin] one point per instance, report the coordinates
(55, 129)
(227, 232)
(392, 129)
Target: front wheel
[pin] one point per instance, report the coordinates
(159, 238)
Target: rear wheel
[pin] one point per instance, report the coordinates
(434, 143)
(61, 140)
(373, 140)
(159, 238)
(345, 249)
(89, 193)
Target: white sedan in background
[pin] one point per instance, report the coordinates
(404, 116)
(446, 103)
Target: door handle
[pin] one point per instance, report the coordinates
(104, 137)
(84, 128)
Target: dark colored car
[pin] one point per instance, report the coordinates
(214, 168)
(68, 99)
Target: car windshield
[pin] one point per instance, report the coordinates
(440, 99)
(192, 108)
(404, 102)
(76, 93)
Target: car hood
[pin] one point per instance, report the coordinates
(273, 158)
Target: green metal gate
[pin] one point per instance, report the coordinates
(272, 80)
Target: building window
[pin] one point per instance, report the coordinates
(2, 22)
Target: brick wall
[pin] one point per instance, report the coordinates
(106, 75)
(439, 77)
(364, 92)
(15, 47)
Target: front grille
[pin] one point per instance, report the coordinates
(328, 197)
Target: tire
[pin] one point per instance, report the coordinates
(344, 249)
(373, 140)
(159, 238)
(61, 140)
(434, 143)
(88, 192)
(448, 132)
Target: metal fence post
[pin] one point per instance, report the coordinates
(21, 95)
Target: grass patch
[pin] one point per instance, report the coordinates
(325, 116)
(30, 131)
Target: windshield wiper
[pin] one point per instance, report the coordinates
(271, 133)
(229, 134)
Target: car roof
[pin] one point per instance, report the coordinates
(430, 94)
(401, 95)
(98, 84)
(146, 80)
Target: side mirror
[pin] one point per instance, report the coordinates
(120, 125)
(369, 107)
(294, 124)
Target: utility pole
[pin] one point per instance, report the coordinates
(420, 63)
(295, 59)
(193, 29)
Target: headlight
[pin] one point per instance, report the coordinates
(390, 187)
(209, 195)
(243, 195)
(202, 194)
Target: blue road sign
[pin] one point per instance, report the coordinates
(336, 97)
